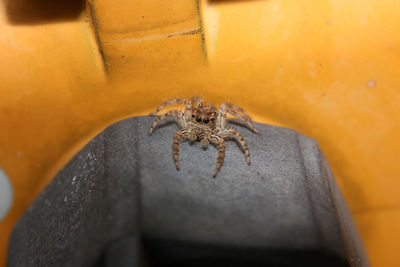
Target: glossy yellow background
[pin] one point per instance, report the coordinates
(329, 69)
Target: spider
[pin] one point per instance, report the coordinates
(205, 124)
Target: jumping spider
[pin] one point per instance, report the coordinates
(205, 124)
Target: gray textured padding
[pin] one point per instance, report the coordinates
(5, 194)
(123, 186)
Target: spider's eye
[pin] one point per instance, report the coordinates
(198, 119)
(212, 119)
(193, 115)
(206, 121)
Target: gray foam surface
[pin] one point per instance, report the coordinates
(124, 184)
(5, 194)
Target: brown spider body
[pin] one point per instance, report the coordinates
(205, 124)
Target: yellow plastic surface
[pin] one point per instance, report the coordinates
(329, 69)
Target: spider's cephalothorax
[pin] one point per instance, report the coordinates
(206, 116)
(205, 124)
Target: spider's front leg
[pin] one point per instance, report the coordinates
(175, 146)
(172, 113)
(219, 141)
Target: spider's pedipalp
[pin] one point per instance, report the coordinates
(171, 113)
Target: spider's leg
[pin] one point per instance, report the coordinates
(188, 110)
(239, 113)
(221, 118)
(170, 113)
(246, 118)
(242, 142)
(189, 107)
(199, 101)
(175, 147)
(221, 152)
(169, 102)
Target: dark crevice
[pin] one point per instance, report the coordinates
(97, 35)
(203, 43)
(43, 11)
(192, 254)
(309, 192)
